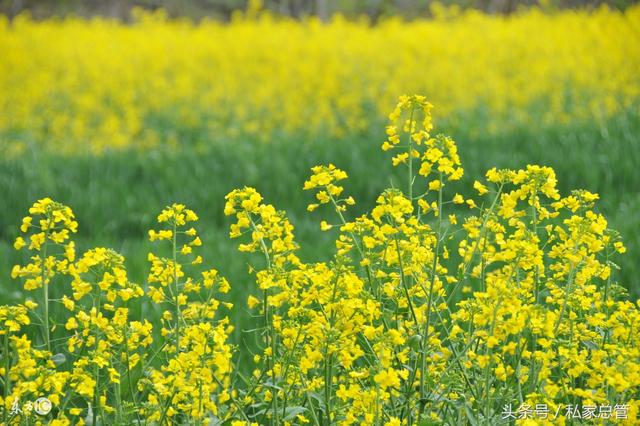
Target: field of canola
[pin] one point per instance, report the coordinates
(77, 86)
(476, 281)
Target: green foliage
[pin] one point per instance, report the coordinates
(114, 195)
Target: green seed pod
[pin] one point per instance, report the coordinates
(415, 341)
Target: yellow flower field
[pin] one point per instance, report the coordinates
(424, 315)
(75, 86)
(468, 256)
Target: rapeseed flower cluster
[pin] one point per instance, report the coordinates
(434, 309)
(424, 317)
(193, 382)
(97, 86)
(105, 369)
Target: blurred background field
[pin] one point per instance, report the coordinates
(324, 9)
(118, 118)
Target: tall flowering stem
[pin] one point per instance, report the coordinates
(192, 386)
(47, 227)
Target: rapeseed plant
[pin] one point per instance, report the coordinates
(97, 86)
(434, 309)
(192, 384)
(537, 328)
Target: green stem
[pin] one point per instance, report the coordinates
(119, 402)
(129, 379)
(477, 244)
(175, 284)
(166, 407)
(605, 335)
(311, 410)
(45, 292)
(568, 285)
(411, 156)
(533, 344)
(488, 353)
(404, 283)
(273, 377)
(235, 401)
(327, 383)
(344, 222)
(7, 377)
(96, 371)
(535, 232)
(270, 333)
(425, 339)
